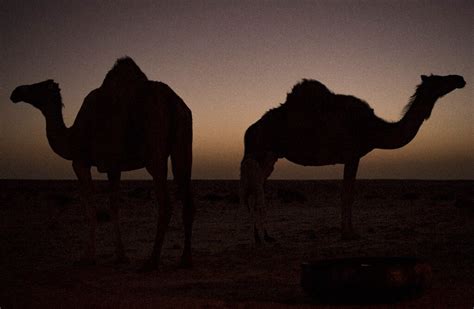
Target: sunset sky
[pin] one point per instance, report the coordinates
(231, 61)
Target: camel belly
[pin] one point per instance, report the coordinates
(324, 153)
(315, 160)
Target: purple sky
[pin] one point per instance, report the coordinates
(233, 60)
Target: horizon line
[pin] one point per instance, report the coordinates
(236, 179)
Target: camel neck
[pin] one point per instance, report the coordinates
(398, 134)
(57, 133)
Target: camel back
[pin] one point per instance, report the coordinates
(308, 92)
(311, 96)
(124, 73)
(123, 86)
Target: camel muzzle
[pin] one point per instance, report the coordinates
(460, 81)
(16, 95)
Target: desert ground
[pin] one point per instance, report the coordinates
(42, 227)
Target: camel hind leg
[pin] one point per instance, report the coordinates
(250, 198)
(158, 168)
(86, 190)
(267, 168)
(181, 163)
(251, 189)
(258, 201)
(347, 199)
(253, 176)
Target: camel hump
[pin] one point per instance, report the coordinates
(308, 91)
(165, 92)
(124, 73)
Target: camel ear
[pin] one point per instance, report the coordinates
(52, 84)
(424, 78)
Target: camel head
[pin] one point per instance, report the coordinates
(439, 86)
(41, 95)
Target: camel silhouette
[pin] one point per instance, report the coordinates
(128, 123)
(316, 127)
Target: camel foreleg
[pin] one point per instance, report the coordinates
(347, 199)
(159, 171)
(252, 182)
(86, 191)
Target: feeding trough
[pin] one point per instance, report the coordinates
(365, 279)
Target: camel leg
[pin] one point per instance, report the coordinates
(182, 178)
(268, 167)
(253, 177)
(260, 214)
(347, 199)
(266, 235)
(86, 191)
(251, 192)
(114, 181)
(181, 164)
(159, 170)
(257, 202)
(189, 211)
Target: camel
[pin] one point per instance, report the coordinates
(316, 127)
(128, 123)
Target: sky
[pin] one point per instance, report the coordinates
(231, 61)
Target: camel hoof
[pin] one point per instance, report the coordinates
(149, 266)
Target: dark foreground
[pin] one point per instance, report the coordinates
(41, 229)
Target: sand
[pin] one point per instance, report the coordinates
(42, 228)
